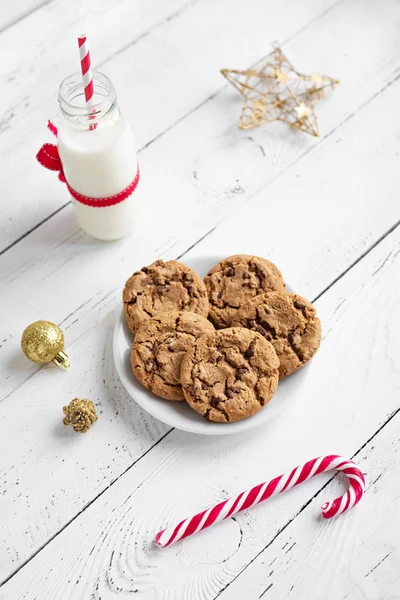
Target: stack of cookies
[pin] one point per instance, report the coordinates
(221, 344)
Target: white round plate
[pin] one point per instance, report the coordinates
(179, 414)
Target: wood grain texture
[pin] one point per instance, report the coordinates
(50, 452)
(352, 558)
(330, 230)
(60, 254)
(151, 50)
(18, 10)
(107, 549)
(313, 224)
(58, 239)
(313, 206)
(218, 174)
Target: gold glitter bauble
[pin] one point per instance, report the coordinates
(43, 342)
(80, 414)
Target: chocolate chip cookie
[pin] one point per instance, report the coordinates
(286, 320)
(160, 287)
(236, 279)
(159, 346)
(230, 374)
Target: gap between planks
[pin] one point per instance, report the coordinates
(328, 287)
(391, 416)
(24, 15)
(209, 98)
(193, 245)
(282, 529)
(197, 107)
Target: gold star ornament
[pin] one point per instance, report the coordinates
(274, 91)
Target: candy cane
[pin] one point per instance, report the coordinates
(262, 492)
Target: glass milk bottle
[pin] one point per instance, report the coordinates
(98, 156)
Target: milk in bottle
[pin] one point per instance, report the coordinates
(98, 155)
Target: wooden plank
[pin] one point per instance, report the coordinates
(364, 161)
(18, 10)
(228, 171)
(90, 300)
(57, 252)
(107, 549)
(351, 558)
(315, 220)
(155, 55)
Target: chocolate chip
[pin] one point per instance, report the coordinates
(290, 338)
(246, 275)
(215, 358)
(261, 330)
(249, 352)
(261, 275)
(171, 349)
(270, 332)
(237, 391)
(240, 373)
(204, 386)
(229, 272)
(299, 305)
(215, 401)
(229, 393)
(145, 270)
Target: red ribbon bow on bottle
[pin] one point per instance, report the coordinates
(49, 157)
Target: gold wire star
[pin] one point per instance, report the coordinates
(274, 91)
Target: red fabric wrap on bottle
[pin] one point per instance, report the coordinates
(49, 157)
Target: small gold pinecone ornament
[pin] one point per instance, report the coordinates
(80, 414)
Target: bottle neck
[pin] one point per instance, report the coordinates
(73, 107)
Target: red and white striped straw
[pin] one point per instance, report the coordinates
(263, 491)
(86, 69)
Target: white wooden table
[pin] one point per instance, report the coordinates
(78, 512)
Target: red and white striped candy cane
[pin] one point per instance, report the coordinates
(262, 492)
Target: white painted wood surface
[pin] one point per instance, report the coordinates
(77, 513)
(337, 408)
